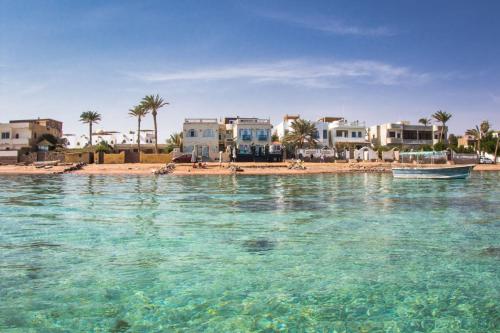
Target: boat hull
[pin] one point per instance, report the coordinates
(453, 172)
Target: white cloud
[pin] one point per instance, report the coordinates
(330, 25)
(302, 73)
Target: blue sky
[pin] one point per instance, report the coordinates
(376, 61)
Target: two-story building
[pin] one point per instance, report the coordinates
(204, 134)
(405, 134)
(250, 136)
(25, 134)
(347, 134)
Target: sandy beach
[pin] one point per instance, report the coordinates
(215, 169)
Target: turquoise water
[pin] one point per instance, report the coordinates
(323, 253)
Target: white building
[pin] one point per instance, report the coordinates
(24, 134)
(345, 133)
(110, 137)
(405, 134)
(204, 134)
(331, 131)
(248, 135)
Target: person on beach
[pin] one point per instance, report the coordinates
(322, 158)
(220, 159)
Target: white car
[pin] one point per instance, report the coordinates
(485, 160)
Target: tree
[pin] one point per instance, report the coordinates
(90, 117)
(425, 121)
(453, 140)
(301, 132)
(140, 112)
(154, 103)
(442, 117)
(174, 141)
(104, 147)
(479, 133)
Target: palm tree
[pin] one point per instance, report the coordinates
(443, 118)
(425, 121)
(175, 140)
(140, 112)
(475, 133)
(90, 117)
(153, 103)
(301, 132)
(479, 133)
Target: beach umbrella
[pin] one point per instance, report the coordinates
(194, 155)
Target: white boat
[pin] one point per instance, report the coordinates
(434, 172)
(442, 171)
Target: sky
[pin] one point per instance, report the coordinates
(373, 61)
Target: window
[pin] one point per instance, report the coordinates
(360, 134)
(17, 135)
(34, 135)
(353, 134)
(208, 133)
(316, 134)
(262, 134)
(341, 134)
(191, 133)
(5, 135)
(246, 134)
(392, 134)
(325, 134)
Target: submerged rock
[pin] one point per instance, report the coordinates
(120, 326)
(258, 245)
(491, 251)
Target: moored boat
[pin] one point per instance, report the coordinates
(434, 172)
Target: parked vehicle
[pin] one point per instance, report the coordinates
(485, 160)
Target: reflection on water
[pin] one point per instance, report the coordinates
(345, 253)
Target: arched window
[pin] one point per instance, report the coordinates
(17, 135)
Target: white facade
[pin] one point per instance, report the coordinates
(330, 131)
(249, 134)
(405, 134)
(204, 134)
(343, 132)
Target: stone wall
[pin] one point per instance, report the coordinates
(155, 158)
(79, 157)
(114, 158)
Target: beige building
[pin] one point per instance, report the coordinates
(205, 135)
(24, 134)
(405, 134)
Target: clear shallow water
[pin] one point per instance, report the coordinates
(344, 253)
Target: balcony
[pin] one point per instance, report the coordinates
(246, 137)
(394, 140)
(262, 137)
(345, 139)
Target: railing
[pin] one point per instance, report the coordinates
(200, 120)
(246, 137)
(345, 123)
(252, 121)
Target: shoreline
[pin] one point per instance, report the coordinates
(213, 168)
